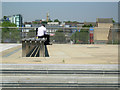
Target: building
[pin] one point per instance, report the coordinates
(73, 24)
(16, 19)
(80, 24)
(104, 22)
(52, 23)
(27, 24)
(102, 29)
(38, 23)
(48, 17)
(119, 12)
(52, 27)
(90, 23)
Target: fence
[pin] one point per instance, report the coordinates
(62, 35)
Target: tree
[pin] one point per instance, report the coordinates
(56, 20)
(35, 22)
(113, 21)
(75, 22)
(67, 21)
(44, 22)
(10, 35)
(0, 24)
(50, 20)
(71, 22)
(8, 24)
(5, 17)
(88, 25)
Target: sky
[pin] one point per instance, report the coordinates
(60, 0)
(64, 11)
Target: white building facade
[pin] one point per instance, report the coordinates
(16, 19)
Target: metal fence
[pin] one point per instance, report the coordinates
(62, 35)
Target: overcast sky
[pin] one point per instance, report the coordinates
(64, 11)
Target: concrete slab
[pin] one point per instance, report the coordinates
(7, 46)
(60, 79)
(67, 54)
(60, 66)
(62, 57)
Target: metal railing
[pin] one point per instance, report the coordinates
(63, 35)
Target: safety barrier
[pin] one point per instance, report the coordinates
(32, 47)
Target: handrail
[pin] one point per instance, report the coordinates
(60, 27)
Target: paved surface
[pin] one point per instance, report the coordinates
(61, 79)
(85, 65)
(60, 66)
(66, 54)
(42, 75)
(73, 79)
(7, 46)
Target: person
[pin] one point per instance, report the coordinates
(41, 33)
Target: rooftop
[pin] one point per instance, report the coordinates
(104, 20)
(65, 54)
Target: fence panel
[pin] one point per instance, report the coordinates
(62, 35)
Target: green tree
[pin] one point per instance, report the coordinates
(113, 21)
(44, 22)
(67, 21)
(71, 22)
(50, 20)
(56, 20)
(0, 24)
(8, 24)
(88, 25)
(35, 22)
(5, 17)
(9, 34)
(75, 22)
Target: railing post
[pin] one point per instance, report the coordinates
(23, 48)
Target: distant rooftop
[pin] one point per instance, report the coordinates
(88, 23)
(104, 20)
(27, 23)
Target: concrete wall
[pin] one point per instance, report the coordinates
(105, 25)
(101, 33)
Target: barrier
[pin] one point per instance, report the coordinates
(32, 47)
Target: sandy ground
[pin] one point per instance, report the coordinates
(66, 54)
